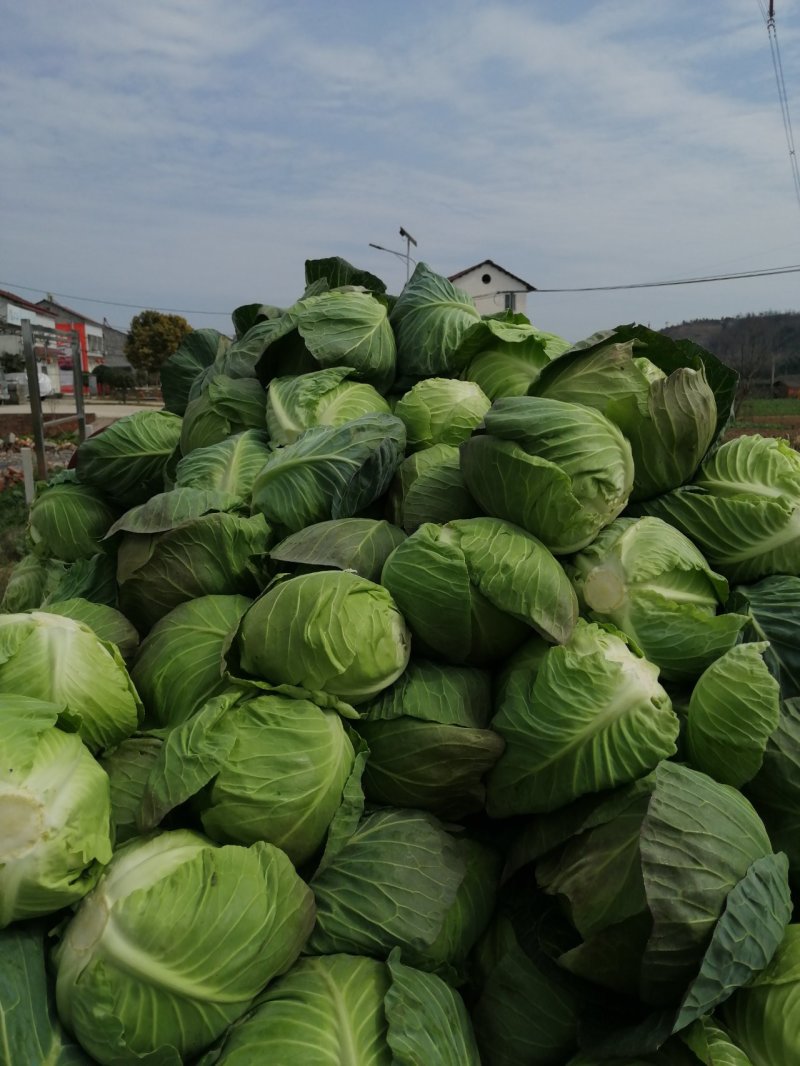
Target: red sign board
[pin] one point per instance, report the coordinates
(65, 349)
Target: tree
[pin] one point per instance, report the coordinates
(119, 378)
(153, 337)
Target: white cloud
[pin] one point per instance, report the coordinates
(194, 153)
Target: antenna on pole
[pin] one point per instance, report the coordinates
(772, 33)
(409, 241)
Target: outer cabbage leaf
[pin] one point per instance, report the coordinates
(670, 355)
(31, 1030)
(246, 316)
(468, 917)
(744, 537)
(337, 272)
(128, 766)
(428, 1021)
(92, 579)
(321, 398)
(429, 742)
(763, 1017)
(181, 662)
(775, 790)
(526, 1010)
(68, 521)
(683, 889)
(429, 766)
(358, 544)
(246, 356)
(338, 1009)
(773, 607)
(331, 328)
(268, 768)
(763, 466)
(505, 355)
(326, 1010)
(330, 472)
(349, 328)
(215, 554)
(369, 886)
(669, 441)
(429, 487)
(670, 421)
(230, 466)
(712, 1045)
(226, 406)
(742, 510)
(30, 582)
(605, 377)
(127, 460)
(698, 840)
(110, 625)
(733, 711)
(167, 510)
(430, 319)
(589, 715)
(432, 692)
(198, 351)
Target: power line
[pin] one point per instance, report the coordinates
(114, 303)
(767, 272)
(777, 66)
(682, 281)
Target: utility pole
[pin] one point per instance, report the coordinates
(401, 255)
(409, 241)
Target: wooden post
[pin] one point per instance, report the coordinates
(35, 399)
(27, 474)
(77, 385)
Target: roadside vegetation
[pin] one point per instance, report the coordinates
(13, 518)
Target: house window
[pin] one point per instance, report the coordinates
(510, 302)
(486, 279)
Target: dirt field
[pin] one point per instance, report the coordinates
(778, 424)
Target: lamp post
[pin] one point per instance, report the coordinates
(409, 241)
(402, 255)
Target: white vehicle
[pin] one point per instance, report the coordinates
(14, 387)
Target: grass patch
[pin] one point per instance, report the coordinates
(781, 407)
(13, 520)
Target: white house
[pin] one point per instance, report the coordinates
(493, 288)
(13, 309)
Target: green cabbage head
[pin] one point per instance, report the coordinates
(560, 470)
(764, 1017)
(648, 579)
(173, 944)
(329, 631)
(55, 813)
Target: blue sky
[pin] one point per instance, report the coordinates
(192, 153)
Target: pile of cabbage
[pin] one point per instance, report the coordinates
(414, 688)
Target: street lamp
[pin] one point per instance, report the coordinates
(409, 241)
(402, 255)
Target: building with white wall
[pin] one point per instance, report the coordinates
(13, 309)
(493, 288)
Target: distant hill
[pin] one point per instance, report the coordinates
(748, 343)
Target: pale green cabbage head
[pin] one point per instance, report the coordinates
(55, 813)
